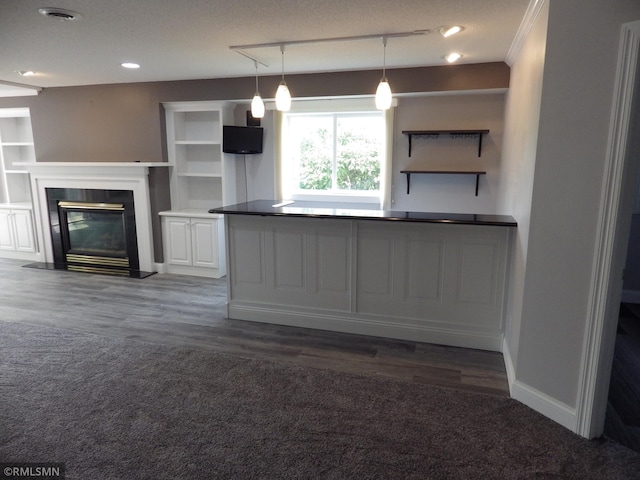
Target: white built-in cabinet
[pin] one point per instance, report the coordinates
(192, 237)
(16, 231)
(193, 245)
(17, 239)
(435, 283)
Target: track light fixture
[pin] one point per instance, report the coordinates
(257, 105)
(384, 96)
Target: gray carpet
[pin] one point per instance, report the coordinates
(113, 408)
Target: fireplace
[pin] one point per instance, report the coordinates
(94, 230)
(94, 176)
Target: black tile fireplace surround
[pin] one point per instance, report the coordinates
(94, 231)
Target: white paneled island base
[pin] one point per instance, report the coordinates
(430, 282)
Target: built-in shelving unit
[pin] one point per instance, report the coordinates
(441, 171)
(194, 149)
(17, 237)
(191, 235)
(16, 146)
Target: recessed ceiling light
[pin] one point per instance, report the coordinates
(130, 65)
(26, 73)
(452, 57)
(450, 30)
(60, 14)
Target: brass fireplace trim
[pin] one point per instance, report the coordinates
(95, 260)
(118, 207)
(87, 269)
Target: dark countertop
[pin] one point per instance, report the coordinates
(267, 208)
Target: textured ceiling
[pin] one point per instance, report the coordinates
(190, 39)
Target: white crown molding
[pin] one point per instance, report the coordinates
(11, 89)
(529, 19)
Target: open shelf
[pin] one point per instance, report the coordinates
(477, 173)
(196, 126)
(452, 133)
(203, 175)
(16, 148)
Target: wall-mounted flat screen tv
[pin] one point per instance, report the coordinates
(242, 140)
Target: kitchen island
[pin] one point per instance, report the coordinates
(429, 277)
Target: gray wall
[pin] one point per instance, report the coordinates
(565, 199)
(123, 122)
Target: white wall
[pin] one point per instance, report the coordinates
(522, 117)
(452, 194)
(448, 193)
(259, 182)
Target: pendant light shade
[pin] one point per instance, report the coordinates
(283, 96)
(383, 92)
(383, 95)
(257, 105)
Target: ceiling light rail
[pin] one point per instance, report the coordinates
(287, 43)
(252, 58)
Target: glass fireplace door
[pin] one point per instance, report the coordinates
(94, 233)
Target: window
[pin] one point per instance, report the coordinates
(334, 155)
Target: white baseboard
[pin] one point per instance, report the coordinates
(27, 256)
(535, 399)
(192, 271)
(363, 325)
(159, 267)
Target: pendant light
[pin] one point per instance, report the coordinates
(257, 105)
(383, 92)
(283, 96)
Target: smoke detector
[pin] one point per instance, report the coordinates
(60, 14)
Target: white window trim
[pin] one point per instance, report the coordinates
(339, 105)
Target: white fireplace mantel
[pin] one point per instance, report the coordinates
(101, 168)
(133, 176)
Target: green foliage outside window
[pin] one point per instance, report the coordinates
(358, 162)
(315, 160)
(357, 156)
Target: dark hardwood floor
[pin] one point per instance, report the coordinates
(186, 311)
(622, 422)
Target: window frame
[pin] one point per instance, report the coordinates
(337, 106)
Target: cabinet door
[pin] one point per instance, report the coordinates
(6, 231)
(23, 229)
(178, 238)
(204, 242)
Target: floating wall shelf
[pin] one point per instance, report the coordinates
(452, 134)
(477, 173)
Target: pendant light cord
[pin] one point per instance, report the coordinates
(256, 64)
(384, 58)
(282, 51)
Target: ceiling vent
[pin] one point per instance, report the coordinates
(60, 14)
